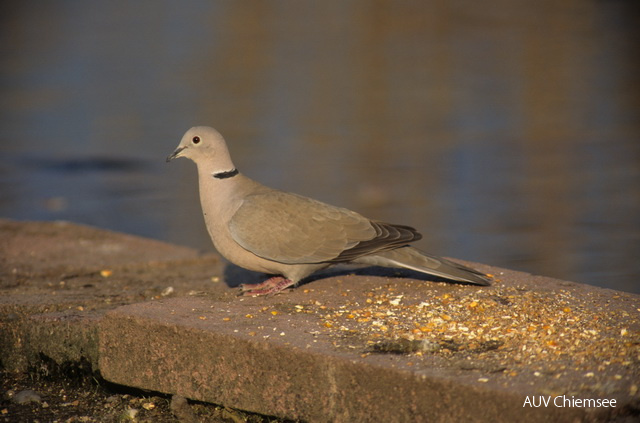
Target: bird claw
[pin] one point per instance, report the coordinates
(269, 287)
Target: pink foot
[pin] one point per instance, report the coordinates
(270, 286)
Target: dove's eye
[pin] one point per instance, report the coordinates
(196, 140)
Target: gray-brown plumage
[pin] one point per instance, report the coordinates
(271, 231)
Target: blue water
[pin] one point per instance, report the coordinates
(508, 135)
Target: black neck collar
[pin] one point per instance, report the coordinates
(226, 174)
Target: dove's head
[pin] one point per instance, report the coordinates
(206, 147)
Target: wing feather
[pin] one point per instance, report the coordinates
(292, 229)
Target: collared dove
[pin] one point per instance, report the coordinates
(290, 236)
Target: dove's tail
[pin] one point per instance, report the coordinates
(414, 259)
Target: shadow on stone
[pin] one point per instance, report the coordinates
(234, 275)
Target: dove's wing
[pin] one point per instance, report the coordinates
(292, 229)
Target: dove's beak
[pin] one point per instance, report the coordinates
(175, 154)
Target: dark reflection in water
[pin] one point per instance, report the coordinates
(508, 134)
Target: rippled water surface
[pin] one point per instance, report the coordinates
(508, 134)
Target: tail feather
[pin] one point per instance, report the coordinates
(414, 259)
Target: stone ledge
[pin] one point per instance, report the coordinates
(350, 346)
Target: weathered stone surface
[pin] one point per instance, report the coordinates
(58, 278)
(363, 345)
(63, 248)
(286, 364)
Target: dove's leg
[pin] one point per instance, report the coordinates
(270, 286)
